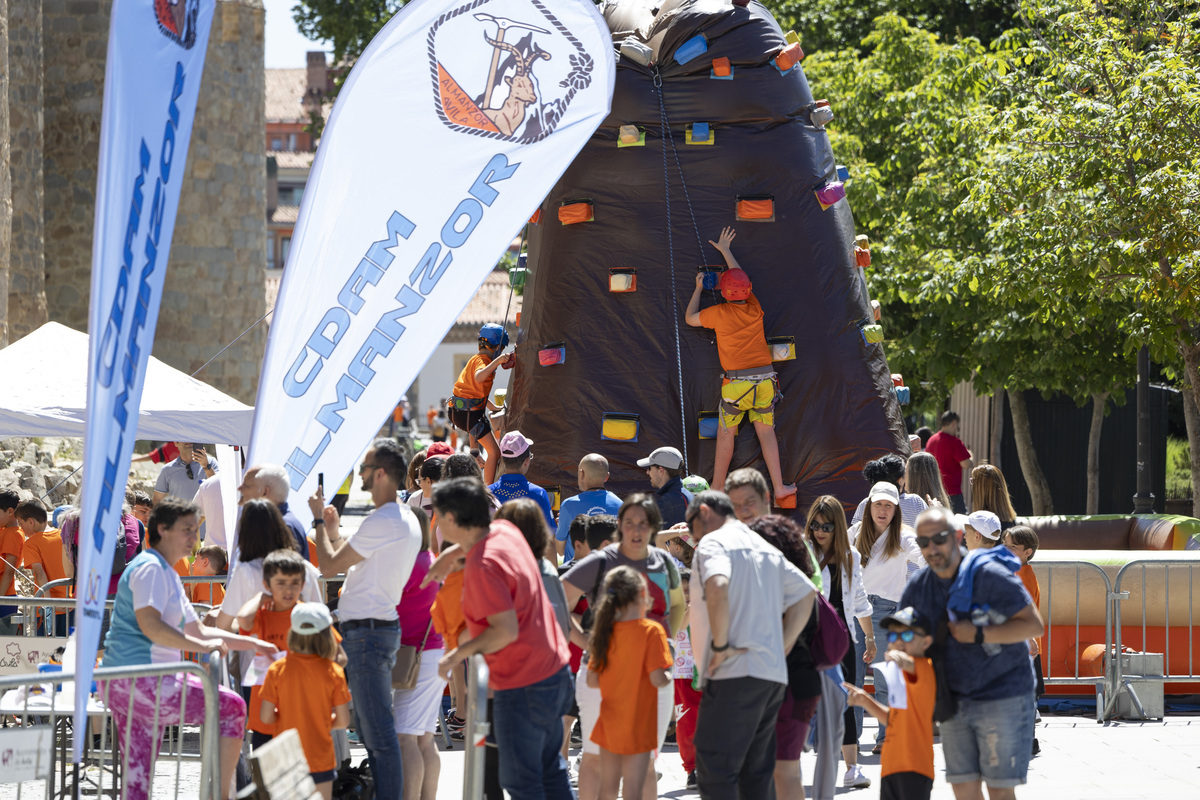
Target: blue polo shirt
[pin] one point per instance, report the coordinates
(971, 670)
(515, 486)
(588, 504)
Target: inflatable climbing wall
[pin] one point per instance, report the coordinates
(713, 124)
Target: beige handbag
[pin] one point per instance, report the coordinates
(408, 662)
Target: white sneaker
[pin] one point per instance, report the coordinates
(854, 778)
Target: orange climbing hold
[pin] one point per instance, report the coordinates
(721, 67)
(572, 212)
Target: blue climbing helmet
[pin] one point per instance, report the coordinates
(493, 337)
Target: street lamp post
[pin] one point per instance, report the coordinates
(1143, 501)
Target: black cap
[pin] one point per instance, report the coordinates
(908, 618)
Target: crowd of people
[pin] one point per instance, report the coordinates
(685, 604)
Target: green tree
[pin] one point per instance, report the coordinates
(837, 24)
(1094, 188)
(902, 105)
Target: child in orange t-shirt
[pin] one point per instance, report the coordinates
(471, 401)
(306, 691)
(268, 616)
(629, 661)
(749, 383)
(1023, 542)
(907, 763)
(210, 561)
(43, 555)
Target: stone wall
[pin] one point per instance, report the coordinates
(75, 42)
(214, 282)
(5, 187)
(26, 290)
(215, 288)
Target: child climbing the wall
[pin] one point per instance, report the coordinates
(749, 382)
(471, 401)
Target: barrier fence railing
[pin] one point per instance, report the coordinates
(1166, 604)
(46, 708)
(478, 727)
(1086, 586)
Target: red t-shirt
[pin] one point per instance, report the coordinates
(164, 454)
(501, 574)
(950, 452)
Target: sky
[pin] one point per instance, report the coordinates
(284, 44)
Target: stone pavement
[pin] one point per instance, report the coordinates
(1079, 759)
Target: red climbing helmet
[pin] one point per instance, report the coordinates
(735, 284)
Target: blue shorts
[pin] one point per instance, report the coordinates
(989, 740)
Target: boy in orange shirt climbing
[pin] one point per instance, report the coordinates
(471, 401)
(907, 764)
(749, 383)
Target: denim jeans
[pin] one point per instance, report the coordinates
(529, 734)
(371, 654)
(989, 740)
(882, 608)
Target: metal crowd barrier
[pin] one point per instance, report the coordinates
(478, 727)
(1164, 608)
(1051, 575)
(55, 712)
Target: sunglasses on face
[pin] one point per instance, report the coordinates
(823, 527)
(937, 538)
(904, 636)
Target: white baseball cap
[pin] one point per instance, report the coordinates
(985, 523)
(309, 618)
(667, 457)
(885, 491)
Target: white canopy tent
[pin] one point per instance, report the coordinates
(45, 394)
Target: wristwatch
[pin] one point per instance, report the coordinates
(317, 522)
(720, 649)
(978, 634)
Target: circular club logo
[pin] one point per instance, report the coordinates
(177, 20)
(505, 77)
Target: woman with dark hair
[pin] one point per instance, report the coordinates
(804, 682)
(841, 577)
(260, 532)
(638, 520)
(989, 492)
(886, 546)
(153, 623)
(890, 468)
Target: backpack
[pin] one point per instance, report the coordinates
(831, 639)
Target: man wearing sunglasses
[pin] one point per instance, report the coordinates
(993, 692)
(749, 604)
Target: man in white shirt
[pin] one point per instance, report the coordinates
(755, 604)
(378, 560)
(212, 511)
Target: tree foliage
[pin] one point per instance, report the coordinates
(1093, 188)
(837, 24)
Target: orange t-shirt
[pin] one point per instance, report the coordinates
(1028, 578)
(447, 610)
(471, 389)
(628, 722)
(12, 547)
(272, 627)
(312, 552)
(909, 743)
(741, 343)
(183, 567)
(46, 548)
(305, 690)
(210, 594)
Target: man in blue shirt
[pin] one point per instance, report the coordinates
(985, 657)
(665, 468)
(515, 457)
(592, 499)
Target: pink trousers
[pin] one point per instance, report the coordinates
(139, 749)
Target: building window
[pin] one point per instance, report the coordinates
(291, 141)
(270, 251)
(285, 247)
(277, 144)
